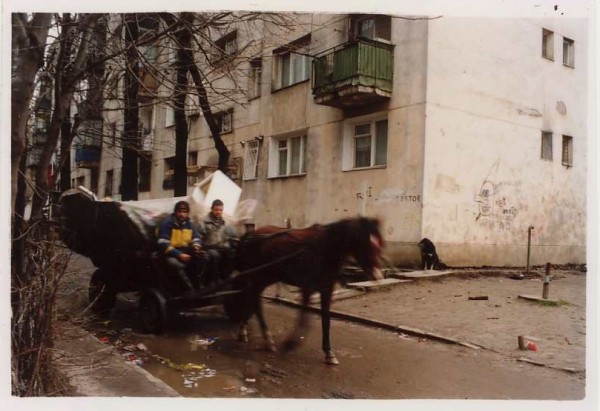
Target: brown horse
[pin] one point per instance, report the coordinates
(309, 258)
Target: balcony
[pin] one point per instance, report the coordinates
(88, 144)
(353, 74)
(87, 156)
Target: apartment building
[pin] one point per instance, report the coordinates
(467, 131)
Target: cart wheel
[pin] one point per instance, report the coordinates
(153, 311)
(102, 298)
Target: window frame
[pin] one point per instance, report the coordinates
(548, 44)
(224, 115)
(567, 151)
(381, 27)
(251, 153)
(225, 48)
(546, 146)
(109, 183)
(255, 78)
(145, 174)
(349, 147)
(292, 53)
(276, 150)
(168, 173)
(569, 56)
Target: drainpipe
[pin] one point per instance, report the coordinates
(529, 245)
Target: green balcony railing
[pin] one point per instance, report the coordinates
(365, 63)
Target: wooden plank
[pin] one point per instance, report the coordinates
(370, 285)
(421, 274)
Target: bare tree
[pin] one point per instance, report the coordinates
(29, 34)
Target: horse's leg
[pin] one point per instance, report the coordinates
(267, 336)
(296, 336)
(243, 331)
(330, 357)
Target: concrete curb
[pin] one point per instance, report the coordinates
(411, 331)
(95, 369)
(375, 323)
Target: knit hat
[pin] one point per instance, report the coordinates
(182, 205)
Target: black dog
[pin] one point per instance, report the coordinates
(429, 257)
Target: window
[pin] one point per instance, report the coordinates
(108, 184)
(192, 163)
(546, 145)
(225, 121)
(148, 53)
(254, 78)
(145, 171)
(192, 158)
(94, 180)
(547, 44)
(287, 156)
(225, 48)
(567, 151)
(292, 63)
(371, 26)
(365, 143)
(81, 181)
(168, 171)
(250, 159)
(169, 116)
(568, 52)
(113, 134)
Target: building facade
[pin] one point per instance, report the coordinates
(467, 131)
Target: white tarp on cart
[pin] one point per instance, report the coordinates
(146, 215)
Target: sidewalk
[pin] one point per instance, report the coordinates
(436, 305)
(95, 369)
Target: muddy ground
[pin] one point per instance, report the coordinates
(441, 305)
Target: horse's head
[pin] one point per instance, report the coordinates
(366, 246)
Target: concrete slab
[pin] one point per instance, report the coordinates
(372, 285)
(421, 274)
(538, 298)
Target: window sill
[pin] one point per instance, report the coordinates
(253, 98)
(367, 168)
(275, 90)
(568, 66)
(287, 176)
(548, 58)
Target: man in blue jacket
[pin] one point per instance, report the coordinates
(181, 244)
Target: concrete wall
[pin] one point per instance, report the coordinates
(490, 95)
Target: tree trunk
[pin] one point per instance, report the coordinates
(66, 138)
(190, 62)
(131, 143)
(28, 42)
(62, 99)
(181, 126)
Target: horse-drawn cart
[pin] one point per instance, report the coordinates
(119, 238)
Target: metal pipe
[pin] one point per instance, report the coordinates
(546, 288)
(529, 245)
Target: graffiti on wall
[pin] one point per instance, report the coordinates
(493, 200)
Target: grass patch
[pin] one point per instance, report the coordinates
(551, 303)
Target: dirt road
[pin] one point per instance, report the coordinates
(384, 364)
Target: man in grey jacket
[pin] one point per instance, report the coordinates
(217, 239)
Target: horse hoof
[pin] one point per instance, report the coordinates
(331, 360)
